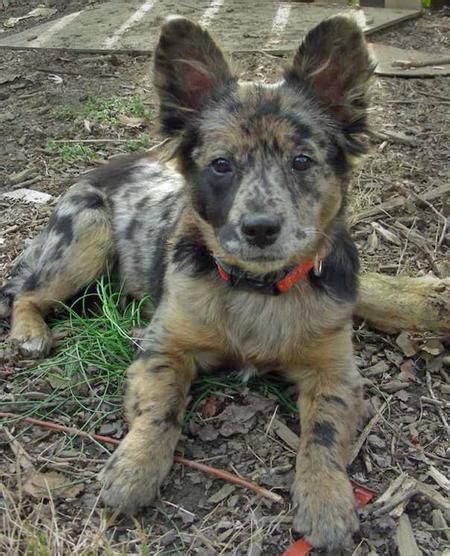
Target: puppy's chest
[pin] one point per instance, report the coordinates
(263, 329)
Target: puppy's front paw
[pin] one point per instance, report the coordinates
(325, 509)
(133, 475)
(33, 339)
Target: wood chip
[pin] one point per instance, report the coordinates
(404, 538)
(285, 433)
(406, 344)
(385, 233)
(440, 478)
(221, 494)
(439, 523)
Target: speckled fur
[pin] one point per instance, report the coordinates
(162, 220)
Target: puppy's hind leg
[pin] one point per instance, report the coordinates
(71, 252)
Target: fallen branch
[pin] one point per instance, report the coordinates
(397, 303)
(402, 489)
(219, 473)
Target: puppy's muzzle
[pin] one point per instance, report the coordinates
(261, 229)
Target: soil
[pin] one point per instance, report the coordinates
(198, 514)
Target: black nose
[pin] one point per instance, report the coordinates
(261, 229)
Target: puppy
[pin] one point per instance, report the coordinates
(239, 237)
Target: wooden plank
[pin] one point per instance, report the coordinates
(403, 4)
(388, 58)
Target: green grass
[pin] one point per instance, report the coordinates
(105, 110)
(72, 152)
(82, 382)
(140, 142)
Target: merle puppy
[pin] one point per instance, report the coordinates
(237, 232)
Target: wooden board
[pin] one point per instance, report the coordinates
(133, 25)
(387, 56)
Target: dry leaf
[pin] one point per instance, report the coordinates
(405, 344)
(407, 371)
(209, 408)
(130, 121)
(45, 485)
(433, 347)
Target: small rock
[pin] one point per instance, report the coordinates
(108, 429)
(29, 196)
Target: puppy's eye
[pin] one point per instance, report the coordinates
(221, 166)
(302, 162)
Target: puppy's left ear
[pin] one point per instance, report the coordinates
(190, 71)
(333, 64)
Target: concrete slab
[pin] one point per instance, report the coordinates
(133, 25)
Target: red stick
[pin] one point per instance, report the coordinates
(220, 473)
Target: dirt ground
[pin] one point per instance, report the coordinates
(51, 130)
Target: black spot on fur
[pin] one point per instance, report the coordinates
(116, 173)
(190, 254)
(32, 282)
(169, 420)
(89, 200)
(63, 225)
(159, 264)
(339, 278)
(324, 434)
(132, 228)
(336, 400)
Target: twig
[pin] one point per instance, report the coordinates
(402, 489)
(394, 137)
(434, 209)
(220, 473)
(366, 431)
(399, 202)
(90, 140)
(440, 479)
(420, 64)
(438, 407)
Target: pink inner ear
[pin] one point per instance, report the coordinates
(330, 86)
(197, 84)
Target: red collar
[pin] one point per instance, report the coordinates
(272, 283)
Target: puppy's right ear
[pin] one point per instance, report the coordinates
(190, 71)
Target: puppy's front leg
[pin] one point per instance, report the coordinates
(330, 405)
(155, 401)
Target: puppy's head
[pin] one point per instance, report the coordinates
(266, 165)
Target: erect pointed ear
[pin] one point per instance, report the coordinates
(334, 64)
(189, 71)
